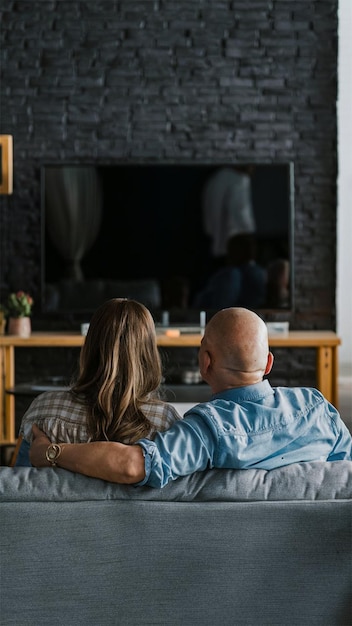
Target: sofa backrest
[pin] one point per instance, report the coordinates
(222, 547)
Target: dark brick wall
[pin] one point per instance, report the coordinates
(185, 80)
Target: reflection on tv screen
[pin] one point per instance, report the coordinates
(178, 237)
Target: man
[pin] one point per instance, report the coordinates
(246, 424)
(242, 282)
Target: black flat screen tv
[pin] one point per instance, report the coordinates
(182, 238)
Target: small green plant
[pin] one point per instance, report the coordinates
(19, 304)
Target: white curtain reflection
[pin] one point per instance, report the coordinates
(74, 211)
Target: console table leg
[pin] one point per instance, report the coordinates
(326, 373)
(7, 407)
(335, 377)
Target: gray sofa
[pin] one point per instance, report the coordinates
(218, 548)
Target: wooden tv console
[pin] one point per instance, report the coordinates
(325, 343)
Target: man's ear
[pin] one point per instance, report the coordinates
(269, 363)
(205, 363)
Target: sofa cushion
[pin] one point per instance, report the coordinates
(318, 480)
(227, 547)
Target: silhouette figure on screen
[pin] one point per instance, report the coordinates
(227, 207)
(278, 283)
(242, 282)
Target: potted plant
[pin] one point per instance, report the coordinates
(19, 309)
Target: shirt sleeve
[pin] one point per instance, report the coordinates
(188, 446)
(342, 449)
(33, 415)
(59, 416)
(22, 459)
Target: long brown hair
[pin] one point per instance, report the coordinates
(120, 369)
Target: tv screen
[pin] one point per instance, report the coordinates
(181, 238)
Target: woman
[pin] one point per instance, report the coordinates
(115, 396)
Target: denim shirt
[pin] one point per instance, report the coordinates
(257, 426)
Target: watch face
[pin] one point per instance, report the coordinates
(53, 452)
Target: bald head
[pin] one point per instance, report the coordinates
(237, 340)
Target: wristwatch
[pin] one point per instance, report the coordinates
(52, 453)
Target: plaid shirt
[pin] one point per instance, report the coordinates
(63, 417)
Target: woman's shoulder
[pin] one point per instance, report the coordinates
(57, 413)
(161, 414)
(54, 401)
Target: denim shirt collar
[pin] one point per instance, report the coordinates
(253, 393)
